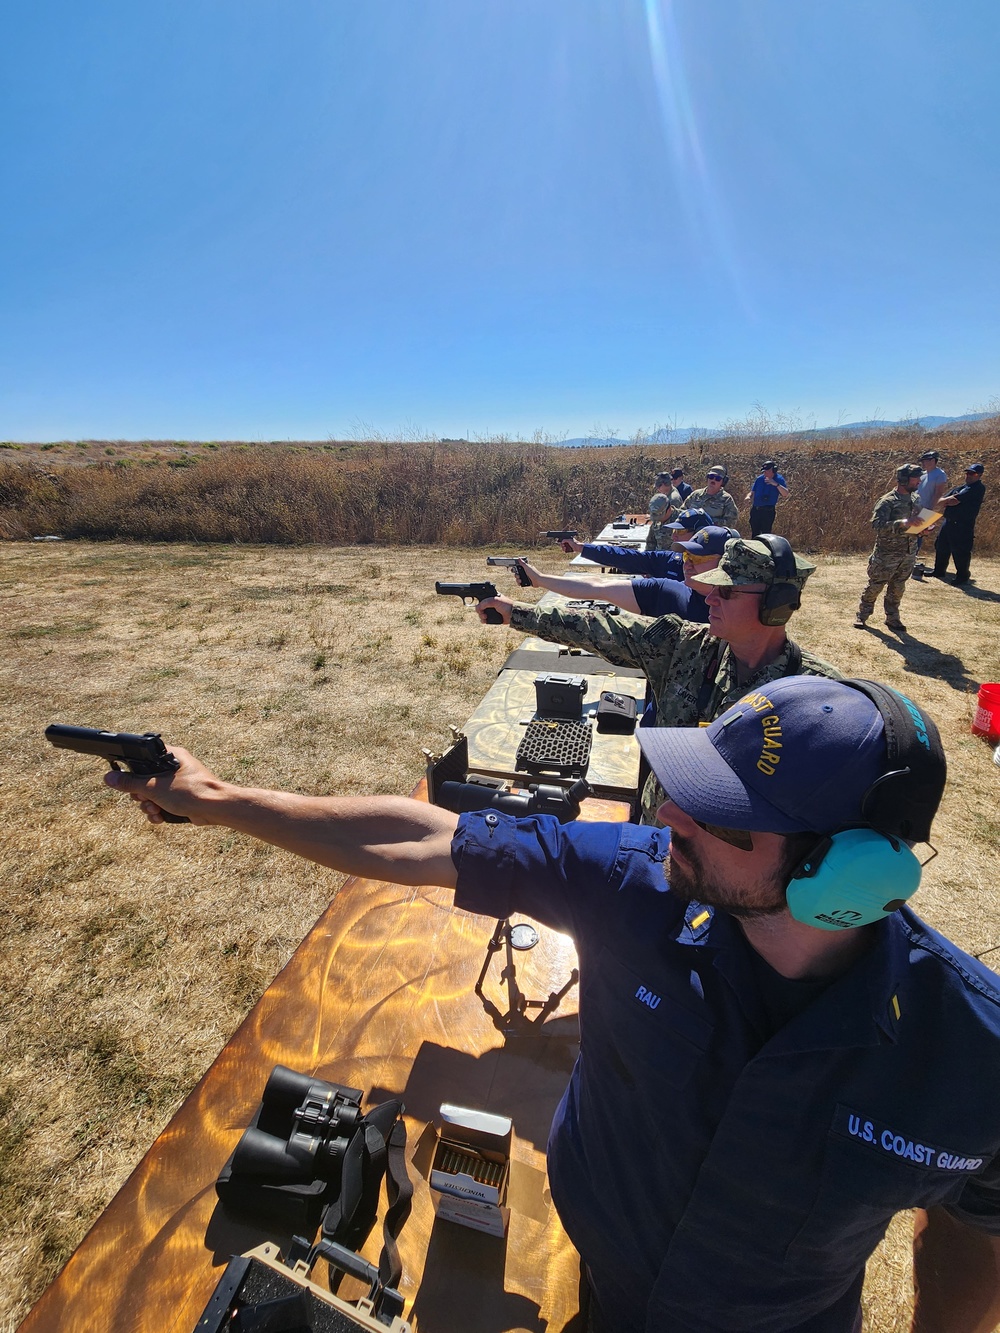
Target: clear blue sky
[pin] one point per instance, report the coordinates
(270, 219)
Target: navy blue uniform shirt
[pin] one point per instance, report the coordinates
(970, 499)
(665, 597)
(714, 1176)
(654, 564)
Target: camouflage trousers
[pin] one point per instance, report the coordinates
(888, 571)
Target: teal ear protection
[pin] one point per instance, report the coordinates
(782, 597)
(861, 875)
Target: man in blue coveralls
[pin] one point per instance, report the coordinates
(775, 1058)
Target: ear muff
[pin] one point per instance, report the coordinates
(852, 879)
(863, 874)
(782, 597)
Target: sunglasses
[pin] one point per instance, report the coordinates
(726, 593)
(719, 479)
(699, 560)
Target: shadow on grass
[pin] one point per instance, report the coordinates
(924, 660)
(979, 594)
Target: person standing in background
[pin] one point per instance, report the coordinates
(961, 505)
(682, 488)
(763, 495)
(933, 480)
(716, 501)
(891, 561)
(662, 507)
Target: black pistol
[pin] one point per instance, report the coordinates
(513, 563)
(560, 534)
(476, 591)
(144, 755)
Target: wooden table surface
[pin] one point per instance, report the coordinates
(381, 996)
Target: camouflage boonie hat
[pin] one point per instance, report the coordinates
(658, 503)
(750, 561)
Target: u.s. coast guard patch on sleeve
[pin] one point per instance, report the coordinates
(894, 1141)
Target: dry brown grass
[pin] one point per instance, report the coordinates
(448, 494)
(133, 952)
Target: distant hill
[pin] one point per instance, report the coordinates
(685, 434)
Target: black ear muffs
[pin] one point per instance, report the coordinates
(782, 597)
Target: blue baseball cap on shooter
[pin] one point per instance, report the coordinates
(798, 755)
(708, 541)
(691, 520)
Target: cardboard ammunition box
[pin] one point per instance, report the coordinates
(470, 1169)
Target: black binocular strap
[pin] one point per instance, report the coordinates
(399, 1193)
(377, 1150)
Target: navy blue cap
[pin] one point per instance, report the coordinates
(708, 541)
(796, 756)
(691, 520)
(975, 467)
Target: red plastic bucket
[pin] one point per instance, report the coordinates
(987, 719)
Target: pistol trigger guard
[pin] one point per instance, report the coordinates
(116, 766)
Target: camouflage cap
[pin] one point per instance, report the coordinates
(658, 503)
(751, 561)
(907, 470)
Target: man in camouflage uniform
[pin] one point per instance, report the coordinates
(716, 502)
(894, 553)
(662, 507)
(695, 671)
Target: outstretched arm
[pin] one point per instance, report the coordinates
(618, 593)
(956, 1276)
(380, 837)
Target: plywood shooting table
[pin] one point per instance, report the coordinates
(631, 530)
(381, 995)
(496, 727)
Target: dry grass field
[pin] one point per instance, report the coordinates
(448, 493)
(133, 952)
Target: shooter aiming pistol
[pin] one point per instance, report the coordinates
(143, 755)
(513, 563)
(476, 591)
(560, 534)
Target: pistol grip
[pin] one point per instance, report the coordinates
(173, 819)
(493, 617)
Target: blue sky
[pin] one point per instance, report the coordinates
(272, 219)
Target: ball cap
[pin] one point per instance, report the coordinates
(769, 466)
(658, 503)
(751, 561)
(799, 755)
(930, 453)
(975, 467)
(708, 541)
(691, 520)
(908, 470)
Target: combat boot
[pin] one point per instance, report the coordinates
(860, 621)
